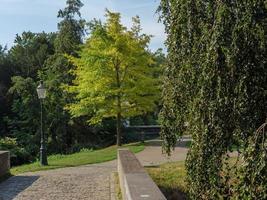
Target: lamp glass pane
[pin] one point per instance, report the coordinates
(41, 93)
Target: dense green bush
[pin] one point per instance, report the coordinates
(18, 155)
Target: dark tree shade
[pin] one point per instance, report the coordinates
(5, 79)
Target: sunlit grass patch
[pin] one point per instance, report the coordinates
(170, 178)
(82, 158)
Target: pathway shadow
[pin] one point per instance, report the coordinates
(10, 188)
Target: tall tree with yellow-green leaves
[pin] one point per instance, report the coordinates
(114, 74)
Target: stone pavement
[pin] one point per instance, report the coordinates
(90, 182)
(152, 155)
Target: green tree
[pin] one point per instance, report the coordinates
(27, 58)
(151, 118)
(5, 79)
(56, 73)
(70, 29)
(114, 77)
(215, 83)
(24, 124)
(30, 52)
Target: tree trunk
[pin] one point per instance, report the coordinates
(119, 132)
(119, 129)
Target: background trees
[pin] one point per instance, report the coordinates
(114, 74)
(27, 56)
(56, 73)
(215, 89)
(5, 74)
(71, 30)
(44, 56)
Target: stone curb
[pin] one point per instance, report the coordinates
(135, 182)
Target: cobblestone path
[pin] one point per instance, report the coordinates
(90, 182)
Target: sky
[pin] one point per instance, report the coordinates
(17, 16)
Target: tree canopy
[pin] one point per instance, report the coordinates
(63, 59)
(114, 74)
(215, 90)
(71, 29)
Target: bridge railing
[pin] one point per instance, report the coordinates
(145, 131)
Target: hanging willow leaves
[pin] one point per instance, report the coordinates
(215, 84)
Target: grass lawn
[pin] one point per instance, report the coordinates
(170, 178)
(76, 159)
(117, 186)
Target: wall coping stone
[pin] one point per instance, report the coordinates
(135, 182)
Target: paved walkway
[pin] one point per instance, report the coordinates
(90, 182)
(152, 155)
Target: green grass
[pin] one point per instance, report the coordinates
(76, 159)
(117, 186)
(170, 178)
(188, 144)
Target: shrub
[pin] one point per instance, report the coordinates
(18, 155)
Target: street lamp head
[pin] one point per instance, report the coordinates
(41, 91)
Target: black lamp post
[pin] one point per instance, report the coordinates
(41, 91)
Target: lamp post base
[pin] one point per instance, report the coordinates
(43, 156)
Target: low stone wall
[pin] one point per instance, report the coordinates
(135, 183)
(4, 162)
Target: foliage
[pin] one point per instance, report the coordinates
(18, 155)
(44, 56)
(71, 29)
(114, 76)
(27, 58)
(76, 159)
(214, 85)
(151, 118)
(25, 123)
(56, 73)
(5, 76)
(5, 72)
(30, 52)
(253, 173)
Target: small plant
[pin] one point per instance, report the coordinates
(18, 155)
(86, 150)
